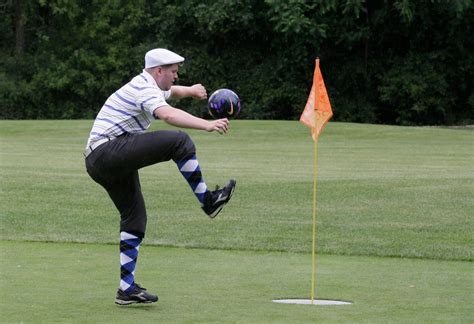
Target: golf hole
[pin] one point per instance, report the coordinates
(322, 302)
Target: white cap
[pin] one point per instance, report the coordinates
(161, 56)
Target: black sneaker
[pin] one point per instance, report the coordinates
(215, 200)
(138, 295)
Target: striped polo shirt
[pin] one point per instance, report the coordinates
(129, 109)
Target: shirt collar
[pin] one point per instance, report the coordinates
(149, 78)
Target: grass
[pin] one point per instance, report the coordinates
(394, 226)
(73, 283)
(382, 190)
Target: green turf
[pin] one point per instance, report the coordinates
(382, 190)
(76, 283)
(394, 227)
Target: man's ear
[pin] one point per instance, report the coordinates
(158, 70)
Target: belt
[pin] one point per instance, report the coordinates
(95, 145)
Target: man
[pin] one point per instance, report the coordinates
(118, 146)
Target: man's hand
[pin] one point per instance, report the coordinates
(195, 91)
(198, 91)
(218, 125)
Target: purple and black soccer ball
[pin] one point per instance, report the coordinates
(224, 103)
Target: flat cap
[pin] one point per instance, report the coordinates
(161, 56)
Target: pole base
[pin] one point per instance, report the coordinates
(322, 302)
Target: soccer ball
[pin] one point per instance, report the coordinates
(223, 103)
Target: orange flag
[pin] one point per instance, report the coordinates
(317, 111)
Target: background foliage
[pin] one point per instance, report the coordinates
(398, 62)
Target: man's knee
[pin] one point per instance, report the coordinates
(134, 225)
(185, 147)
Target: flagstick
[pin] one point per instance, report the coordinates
(313, 252)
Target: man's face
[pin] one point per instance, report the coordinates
(165, 77)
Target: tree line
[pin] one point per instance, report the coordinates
(404, 62)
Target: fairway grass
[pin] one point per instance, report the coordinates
(382, 190)
(57, 282)
(394, 227)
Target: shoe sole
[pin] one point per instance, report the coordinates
(218, 210)
(128, 302)
(125, 302)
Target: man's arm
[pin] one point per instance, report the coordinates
(180, 118)
(196, 91)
